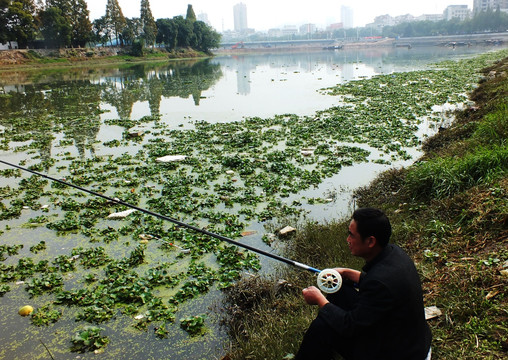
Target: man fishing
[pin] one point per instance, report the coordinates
(378, 313)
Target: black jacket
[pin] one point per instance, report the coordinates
(388, 322)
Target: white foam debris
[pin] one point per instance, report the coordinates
(121, 215)
(432, 312)
(136, 133)
(171, 158)
(286, 230)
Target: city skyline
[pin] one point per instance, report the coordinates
(264, 15)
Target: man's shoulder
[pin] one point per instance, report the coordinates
(394, 262)
(397, 253)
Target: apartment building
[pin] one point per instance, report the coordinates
(460, 12)
(240, 17)
(484, 5)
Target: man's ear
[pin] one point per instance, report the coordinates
(371, 241)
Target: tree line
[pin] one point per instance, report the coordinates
(66, 23)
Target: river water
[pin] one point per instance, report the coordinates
(62, 116)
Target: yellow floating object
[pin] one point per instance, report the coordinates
(25, 310)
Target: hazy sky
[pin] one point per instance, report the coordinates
(266, 14)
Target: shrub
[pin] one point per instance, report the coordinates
(138, 49)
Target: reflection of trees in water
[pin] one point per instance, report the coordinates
(38, 114)
(77, 106)
(184, 81)
(27, 116)
(156, 90)
(145, 83)
(121, 95)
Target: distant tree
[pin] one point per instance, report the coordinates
(205, 37)
(408, 30)
(4, 7)
(64, 5)
(180, 33)
(115, 19)
(20, 25)
(497, 20)
(55, 28)
(191, 16)
(77, 14)
(185, 36)
(167, 33)
(133, 30)
(39, 5)
(100, 31)
(148, 23)
(80, 22)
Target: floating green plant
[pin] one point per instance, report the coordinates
(89, 339)
(194, 325)
(45, 315)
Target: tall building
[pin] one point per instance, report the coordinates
(240, 17)
(430, 17)
(503, 5)
(346, 17)
(289, 30)
(484, 5)
(306, 29)
(204, 18)
(460, 12)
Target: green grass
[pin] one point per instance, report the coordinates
(443, 177)
(494, 128)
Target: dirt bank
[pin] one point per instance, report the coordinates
(24, 56)
(26, 59)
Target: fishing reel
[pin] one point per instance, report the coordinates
(329, 281)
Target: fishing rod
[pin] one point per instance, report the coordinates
(328, 280)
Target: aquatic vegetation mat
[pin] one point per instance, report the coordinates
(84, 262)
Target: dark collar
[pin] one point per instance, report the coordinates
(383, 254)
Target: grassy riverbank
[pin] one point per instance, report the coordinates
(449, 211)
(15, 60)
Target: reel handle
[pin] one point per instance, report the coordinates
(329, 281)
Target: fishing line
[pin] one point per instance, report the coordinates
(328, 281)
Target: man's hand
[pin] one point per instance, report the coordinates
(350, 274)
(313, 296)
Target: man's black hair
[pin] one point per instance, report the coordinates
(373, 222)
